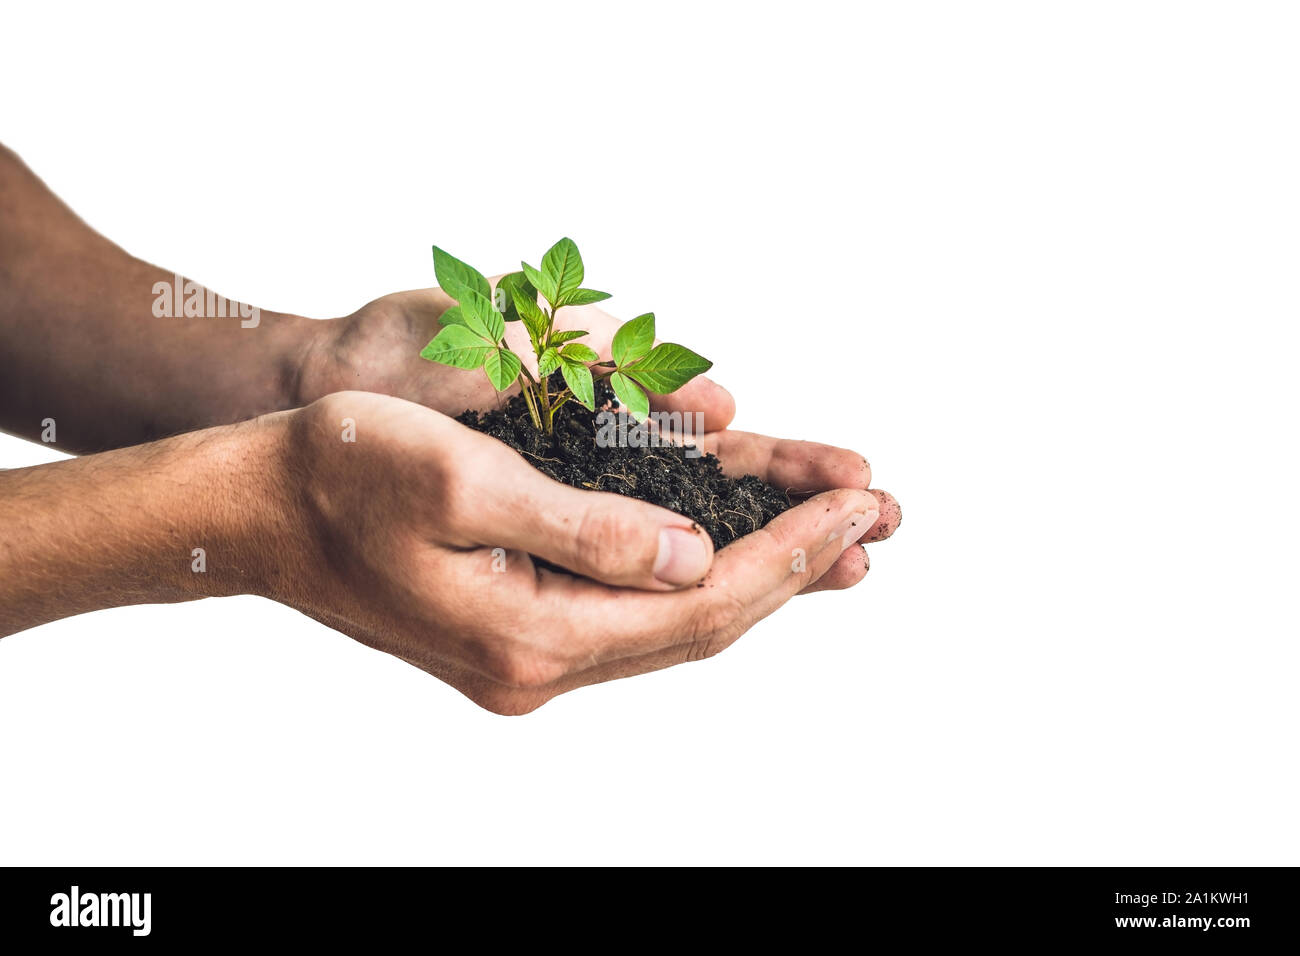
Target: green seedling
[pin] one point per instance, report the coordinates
(473, 336)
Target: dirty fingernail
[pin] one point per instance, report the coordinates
(683, 557)
(855, 527)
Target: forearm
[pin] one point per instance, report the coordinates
(82, 340)
(193, 516)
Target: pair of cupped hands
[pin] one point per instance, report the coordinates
(425, 530)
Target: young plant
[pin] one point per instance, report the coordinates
(473, 336)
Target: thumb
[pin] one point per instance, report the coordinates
(601, 535)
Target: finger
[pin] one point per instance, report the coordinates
(849, 570)
(610, 538)
(891, 516)
(760, 571)
(423, 307)
(820, 565)
(839, 541)
(581, 609)
(854, 563)
(797, 467)
(703, 395)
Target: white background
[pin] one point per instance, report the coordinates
(1037, 261)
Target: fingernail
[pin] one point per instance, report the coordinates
(683, 557)
(855, 527)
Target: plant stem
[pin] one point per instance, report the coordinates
(529, 390)
(560, 399)
(546, 404)
(543, 391)
(531, 402)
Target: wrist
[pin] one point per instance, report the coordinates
(250, 526)
(314, 360)
(294, 347)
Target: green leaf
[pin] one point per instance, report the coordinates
(667, 368)
(561, 337)
(453, 316)
(578, 378)
(457, 346)
(536, 324)
(563, 267)
(629, 393)
(548, 363)
(455, 277)
(502, 367)
(482, 317)
(579, 352)
(586, 297)
(634, 339)
(541, 282)
(530, 312)
(508, 287)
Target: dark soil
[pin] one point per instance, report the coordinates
(727, 508)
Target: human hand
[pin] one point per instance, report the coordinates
(395, 545)
(376, 349)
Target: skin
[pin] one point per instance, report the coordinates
(416, 538)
